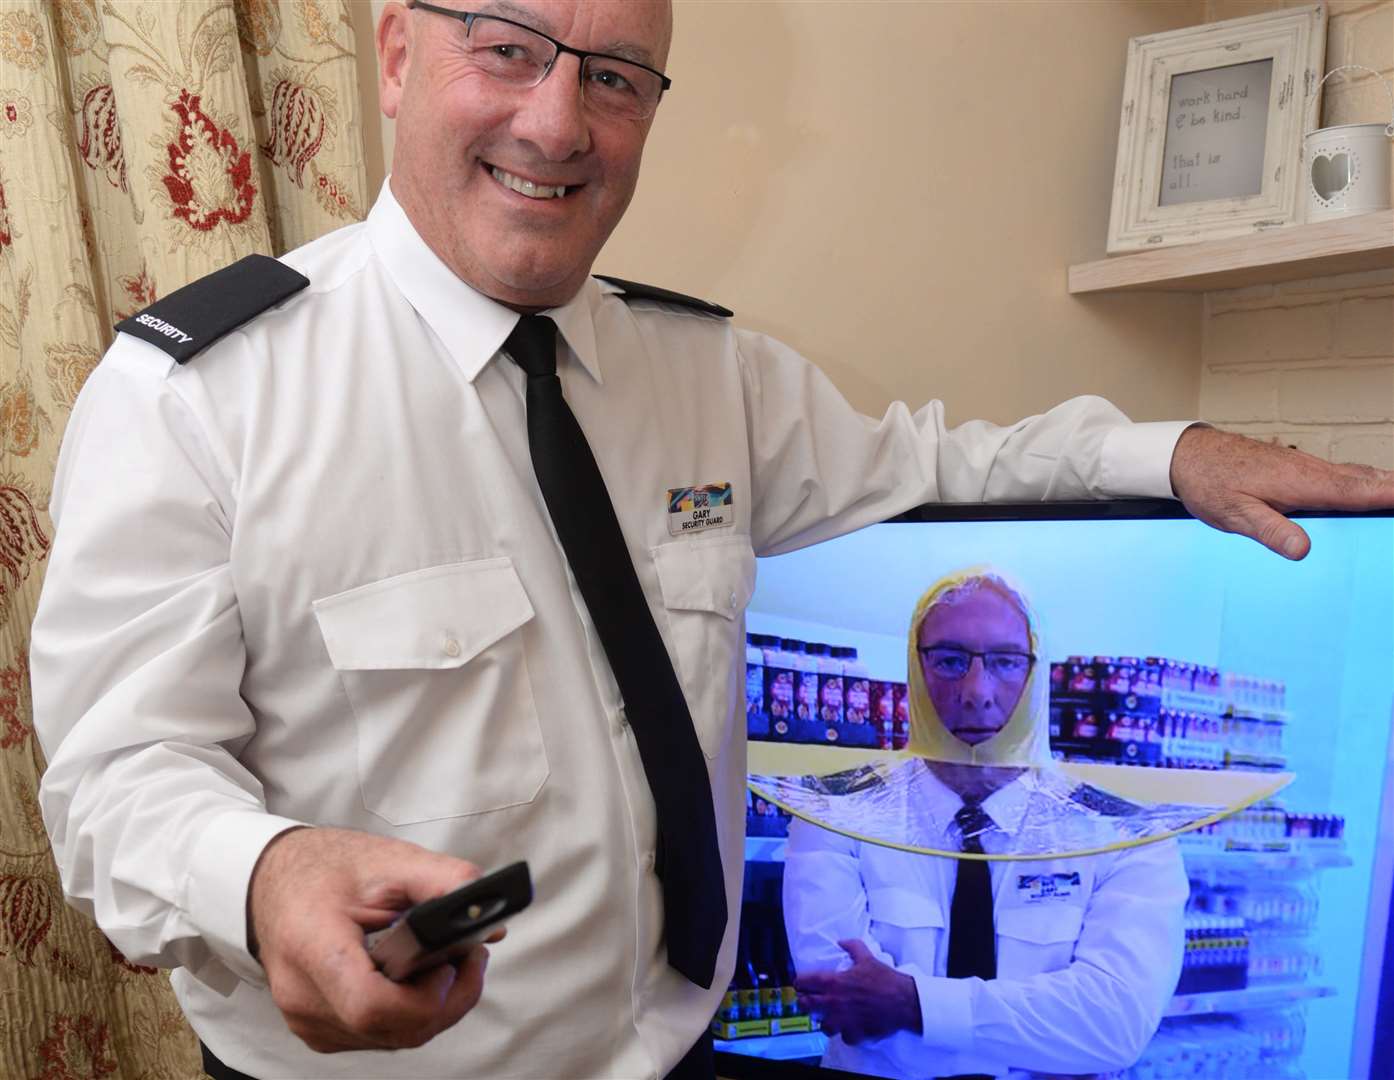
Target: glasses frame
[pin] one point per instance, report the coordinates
(582, 55)
(925, 650)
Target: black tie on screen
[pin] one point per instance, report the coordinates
(688, 860)
(972, 936)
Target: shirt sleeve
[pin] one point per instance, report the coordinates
(137, 659)
(824, 903)
(821, 469)
(1099, 1013)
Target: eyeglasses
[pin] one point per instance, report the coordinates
(521, 56)
(953, 664)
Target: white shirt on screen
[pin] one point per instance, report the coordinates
(1085, 967)
(308, 577)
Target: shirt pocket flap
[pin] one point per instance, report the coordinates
(1041, 925)
(705, 577)
(903, 907)
(439, 617)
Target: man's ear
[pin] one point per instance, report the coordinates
(393, 38)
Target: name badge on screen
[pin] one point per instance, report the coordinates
(1039, 887)
(697, 509)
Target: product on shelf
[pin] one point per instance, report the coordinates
(856, 680)
(779, 686)
(805, 678)
(831, 661)
(1164, 712)
(900, 707)
(1217, 955)
(1261, 1045)
(761, 999)
(1267, 827)
(764, 818)
(809, 692)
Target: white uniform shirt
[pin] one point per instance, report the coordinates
(1084, 969)
(309, 577)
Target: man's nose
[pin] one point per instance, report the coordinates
(552, 115)
(977, 687)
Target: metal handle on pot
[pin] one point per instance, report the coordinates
(1389, 127)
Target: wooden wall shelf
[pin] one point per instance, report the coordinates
(1340, 246)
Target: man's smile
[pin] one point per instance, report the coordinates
(531, 189)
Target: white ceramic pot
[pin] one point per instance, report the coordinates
(1347, 167)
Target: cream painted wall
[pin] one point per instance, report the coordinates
(897, 188)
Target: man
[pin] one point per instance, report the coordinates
(361, 616)
(1078, 955)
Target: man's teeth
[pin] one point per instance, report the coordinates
(526, 187)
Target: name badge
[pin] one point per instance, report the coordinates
(1040, 887)
(696, 509)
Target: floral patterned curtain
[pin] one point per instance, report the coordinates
(143, 144)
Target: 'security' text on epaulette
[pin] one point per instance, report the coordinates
(190, 319)
(634, 291)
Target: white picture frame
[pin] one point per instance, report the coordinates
(1211, 131)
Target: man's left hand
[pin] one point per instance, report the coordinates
(869, 1000)
(1244, 486)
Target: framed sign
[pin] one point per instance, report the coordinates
(1212, 127)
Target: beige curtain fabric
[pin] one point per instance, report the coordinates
(142, 145)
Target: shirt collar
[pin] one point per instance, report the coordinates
(1006, 806)
(470, 325)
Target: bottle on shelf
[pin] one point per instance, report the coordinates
(856, 688)
(779, 686)
(754, 675)
(831, 661)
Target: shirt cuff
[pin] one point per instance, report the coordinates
(215, 892)
(1136, 459)
(946, 1010)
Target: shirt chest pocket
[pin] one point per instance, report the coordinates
(1034, 938)
(433, 665)
(706, 587)
(905, 922)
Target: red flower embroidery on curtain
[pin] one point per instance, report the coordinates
(14, 731)
(26, 913)
(78, 1048)
(22, 541)
(119, 958)
(210, 176)
(100, 140)
(140, 289)
(297, 128)
(7, 238)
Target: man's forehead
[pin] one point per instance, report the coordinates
(985, 605)
(634, 29)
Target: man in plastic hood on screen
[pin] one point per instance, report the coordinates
(921, 965)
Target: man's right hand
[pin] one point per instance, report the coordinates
(314, 894)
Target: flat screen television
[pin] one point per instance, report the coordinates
(1286, 666)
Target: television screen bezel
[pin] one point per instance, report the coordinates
(733, 1066)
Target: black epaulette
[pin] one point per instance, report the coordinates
(190, 319)
(632, 290)
(1102, 802)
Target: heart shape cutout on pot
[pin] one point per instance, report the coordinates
(1331, 174)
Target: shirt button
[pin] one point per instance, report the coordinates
(733, 600)
(451, 647)
(647, 860)
(622, 719)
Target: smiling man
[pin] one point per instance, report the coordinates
(398, 563)
(516, 186)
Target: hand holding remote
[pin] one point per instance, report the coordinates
(313, 894)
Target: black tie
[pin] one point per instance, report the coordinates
(688, 860)
(972, 936)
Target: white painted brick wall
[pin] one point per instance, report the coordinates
(1310, 363)
(1306, 363)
